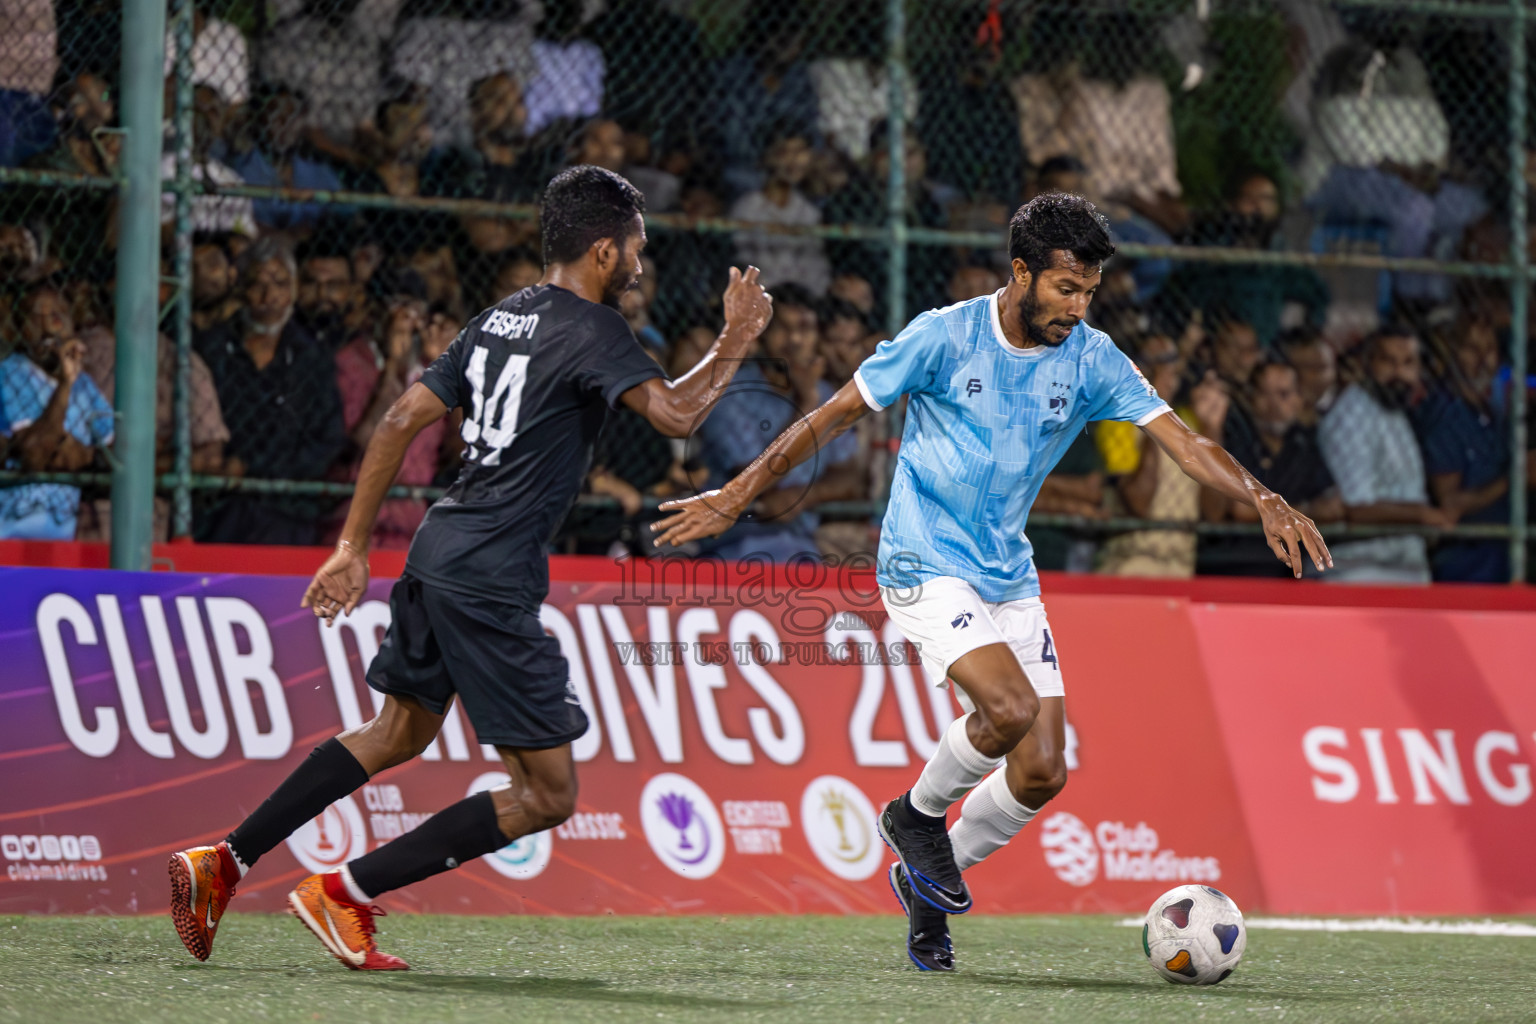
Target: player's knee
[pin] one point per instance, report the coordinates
(1046, 784)
(1006, 720)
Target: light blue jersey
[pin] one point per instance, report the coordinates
(986, 422)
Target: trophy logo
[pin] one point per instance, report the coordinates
(330, 839)
(839, 824)
(682, 825)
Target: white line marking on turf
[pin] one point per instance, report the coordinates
(1506, 929)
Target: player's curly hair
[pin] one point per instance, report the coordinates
(583, 205)
(1055, 222)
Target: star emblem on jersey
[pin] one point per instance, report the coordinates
(972, 387)
(1061, 394)
(962, 620)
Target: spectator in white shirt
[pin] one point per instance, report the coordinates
(1373, 453)
(568, 80)
(219, 57)
(781, 257)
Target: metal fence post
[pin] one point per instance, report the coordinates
(181, 520)
(138, 292)
(896, 180)
(896, 197)
(1520, 290)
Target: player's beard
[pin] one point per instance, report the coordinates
(620, 281)
(1036, 329)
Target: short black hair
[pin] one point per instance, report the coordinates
(1058, 222)
(1392, 329)
(583, 205)
(792, 293)
(1267, 362)
(322, 246)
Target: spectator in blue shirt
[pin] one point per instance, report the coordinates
(1466, 456)
(765, 397)
(278, 158)
(764, 90)
(50, 429)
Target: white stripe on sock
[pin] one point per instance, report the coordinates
(353, 889)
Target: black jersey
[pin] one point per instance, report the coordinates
(535, 375)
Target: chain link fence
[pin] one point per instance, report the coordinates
(1320, 209)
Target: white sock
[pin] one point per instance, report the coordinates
(353, 890)
(954, 770)
(989, 818)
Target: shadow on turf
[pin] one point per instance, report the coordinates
(1057, 981)
(589, 989)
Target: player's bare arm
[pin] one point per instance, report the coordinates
(1286, 530)
(339, 584)
(676, 408)
(713, 512)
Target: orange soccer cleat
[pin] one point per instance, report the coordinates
(202, 882)
(343, 926)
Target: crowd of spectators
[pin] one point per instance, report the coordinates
(1383, 403)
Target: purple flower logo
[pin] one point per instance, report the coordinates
(680, 814)
(681, 825)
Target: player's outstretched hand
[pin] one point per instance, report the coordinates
(1289, 532)
(704, 515)
(339, 584)
(748, 306)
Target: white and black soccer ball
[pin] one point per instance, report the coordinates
(1194, 935)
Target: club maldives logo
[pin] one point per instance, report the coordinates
(1069, 848)
(682, 825)
(839, 824)
(524, 857)
(1131, 853)
(327, 842)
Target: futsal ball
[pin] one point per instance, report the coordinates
(1194, 935)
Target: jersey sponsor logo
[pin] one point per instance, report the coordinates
(682, 826)
(1151, 391)
(523, 858)
(328, 841)
(510, 325)
(1130, 853)
(972, 387)
(839, 825)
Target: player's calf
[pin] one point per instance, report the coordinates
(521, 810)
(401, 730)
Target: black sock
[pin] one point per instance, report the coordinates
(453, 836)
(329, 773)
(918, 817)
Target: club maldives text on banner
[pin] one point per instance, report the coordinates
(743, 738)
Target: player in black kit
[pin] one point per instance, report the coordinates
(535, 376)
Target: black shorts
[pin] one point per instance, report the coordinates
(510, 674)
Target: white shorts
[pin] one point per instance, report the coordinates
(945, 619)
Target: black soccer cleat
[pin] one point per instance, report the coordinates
(927, 929)
(927, 857)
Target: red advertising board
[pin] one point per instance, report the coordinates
(1383, 756)
(744, 733)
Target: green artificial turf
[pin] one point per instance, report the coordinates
(516, 969)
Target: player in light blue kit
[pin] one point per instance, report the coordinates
(999, 386)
